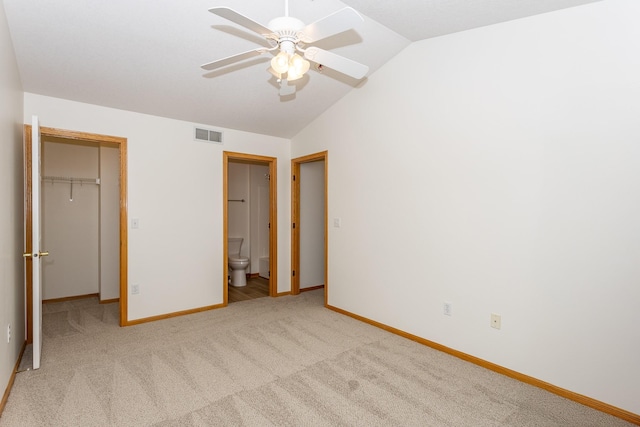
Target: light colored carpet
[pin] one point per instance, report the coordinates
(271, 361)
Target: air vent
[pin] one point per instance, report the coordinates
(208, 135)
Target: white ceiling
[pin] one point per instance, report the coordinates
(145, 55)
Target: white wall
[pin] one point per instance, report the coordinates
(175, 190)
(238, 213)
(505, 163)
(312, 224)
(81, 235)
(109, 223)
(11, 214)
(259, 215)
(70, 221)
(249, 219)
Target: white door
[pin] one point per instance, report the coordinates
(37, 253)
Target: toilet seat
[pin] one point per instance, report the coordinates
(238, 259)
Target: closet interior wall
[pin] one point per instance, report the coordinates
(80, 219)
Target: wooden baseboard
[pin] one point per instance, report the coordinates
(579, 398)
(109, 301)
(75, 297)
(311, 288)
(175, 314)
(12, 378)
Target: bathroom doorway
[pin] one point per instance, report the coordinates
(309, 240)
(250, 213)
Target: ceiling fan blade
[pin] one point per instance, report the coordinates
(336, 62)
(240, 19)
(286, 89)
(342, 20)
(233, 59)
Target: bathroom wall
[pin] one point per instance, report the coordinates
(259, 215)
(249, 219)
(238, 213)
(505, 179)
(312, 224)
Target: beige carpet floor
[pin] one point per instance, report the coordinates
(271, 361)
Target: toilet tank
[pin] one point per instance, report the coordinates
(234, 245)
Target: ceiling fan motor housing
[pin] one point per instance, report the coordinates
(287, 29)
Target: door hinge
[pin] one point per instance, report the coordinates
(294, 177)
(294, 225)
(293, 273)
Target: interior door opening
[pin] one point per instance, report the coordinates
(309, 236)
(80, 224)
(250, 219)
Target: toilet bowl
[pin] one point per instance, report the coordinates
(237, 264)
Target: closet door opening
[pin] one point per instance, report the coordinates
(80, 220)
(81, 171)
(309, 237)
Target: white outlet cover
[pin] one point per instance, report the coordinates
(496, 321)
(447, 309)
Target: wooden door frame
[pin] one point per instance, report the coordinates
(272, 162)
(295, 219)
(102, 140)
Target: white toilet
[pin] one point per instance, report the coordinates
(237, 264)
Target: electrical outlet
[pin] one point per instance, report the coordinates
(496, 321)
(8, 333)
(447, 309)
(135, 289)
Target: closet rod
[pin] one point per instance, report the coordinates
(70, 179)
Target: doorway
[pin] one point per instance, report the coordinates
(269, 197)
(309, 223)
(67, 136)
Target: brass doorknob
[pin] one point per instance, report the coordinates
(28, 255)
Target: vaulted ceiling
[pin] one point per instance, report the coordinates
(145, 55)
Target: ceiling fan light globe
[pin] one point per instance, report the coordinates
(293, 75)
(274, 73)
(280, 63)
(298, 63)
(297, 67)
(296, 72)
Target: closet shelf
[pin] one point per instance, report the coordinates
(71, 179)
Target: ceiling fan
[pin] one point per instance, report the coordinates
(289, 38)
